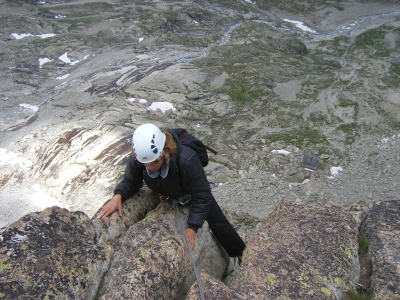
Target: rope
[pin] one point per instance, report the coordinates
(196, 272)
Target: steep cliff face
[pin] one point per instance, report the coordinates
(300, 251)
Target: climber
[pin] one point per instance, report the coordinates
(175, 171)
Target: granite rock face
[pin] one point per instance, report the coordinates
(64, 255)
(110, 229)
(301, 252)
(151, 260)
(381, 228)
(213, 289)
(51, 255)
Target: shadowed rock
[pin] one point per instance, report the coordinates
(51, 255)
(301, 252)
(151, 260)
(213, 289)
(381, 227)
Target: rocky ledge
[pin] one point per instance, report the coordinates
(299, 252)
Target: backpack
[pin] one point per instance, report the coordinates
(185, 138)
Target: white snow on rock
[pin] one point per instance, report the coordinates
(24, 35)
(62, 77)
(335, 171)
(46, 35)
(284, 152)
(300, 25)
(12, 158)
(43, 61)
(28, 106)
(65, 58)
(163, 106)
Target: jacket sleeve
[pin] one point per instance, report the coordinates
(195, 183)
(132, 180)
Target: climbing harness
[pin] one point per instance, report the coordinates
(196, 271)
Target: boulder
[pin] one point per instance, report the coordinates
(151, 261)
(301, 252)
(134, 209)
(51, 255)
(381, 228)
(213, 289)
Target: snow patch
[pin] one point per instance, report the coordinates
(335, 171)
(62, 77)
(28, 106)
(24, 35)
(300, 25)
(67, 60)
(163, 106)
(12, 158)
(46, 35)
(43, 61)
(284, 152)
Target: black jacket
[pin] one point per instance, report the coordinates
(185, 176)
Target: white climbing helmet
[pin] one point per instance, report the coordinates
(148, 143)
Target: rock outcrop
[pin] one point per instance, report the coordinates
(64, 255)
(300, 252)
(381, 228)
(51, 255)
(213, 289)
(151, 260)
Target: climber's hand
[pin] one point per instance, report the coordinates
(114, 204)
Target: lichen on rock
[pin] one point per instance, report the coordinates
(51, 254)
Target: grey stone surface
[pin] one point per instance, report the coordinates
(301, 252)
(134, 209)
(151, 260)
(381, 228)
(212, 289)
(51, 254)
